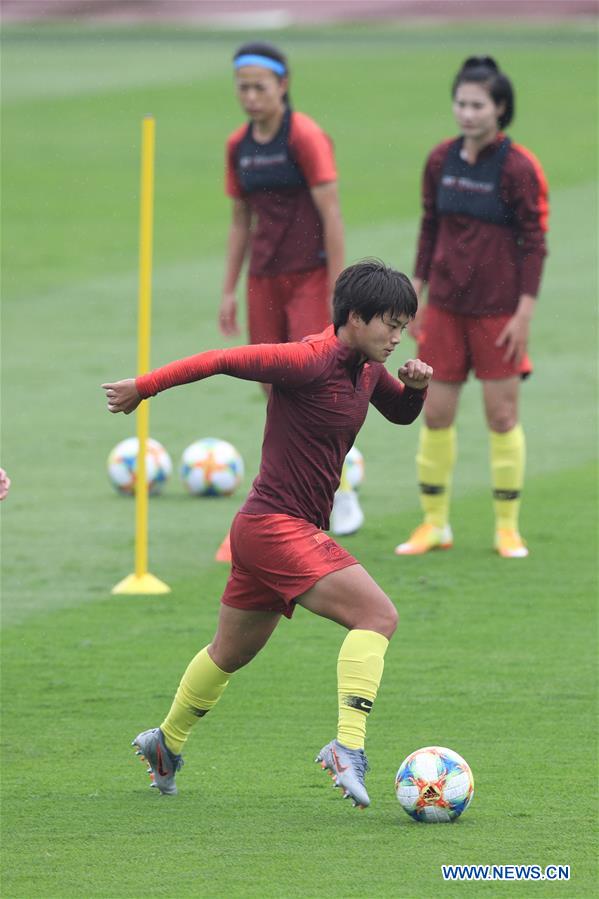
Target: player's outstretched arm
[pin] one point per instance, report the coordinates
(122, 396)
(285, 364)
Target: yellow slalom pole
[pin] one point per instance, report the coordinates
(141, 581)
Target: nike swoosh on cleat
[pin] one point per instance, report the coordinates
(340, 768)
(161, 770)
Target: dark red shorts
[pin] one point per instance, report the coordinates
(454, 344)
(276, 558)
(282, 308)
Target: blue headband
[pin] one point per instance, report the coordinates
(254, 59)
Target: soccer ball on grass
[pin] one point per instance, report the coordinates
(211, 467)
(434, 784)
(122, 466)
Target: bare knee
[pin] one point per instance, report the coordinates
(501, 404)
(439, 419)
(390, 621)
(502, 420)
(441, 405)
(228, 658)
(383, 619)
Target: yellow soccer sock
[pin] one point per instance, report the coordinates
(508, 453)
(359, 672)
(344, 484)
(200, 689)
(435, 461)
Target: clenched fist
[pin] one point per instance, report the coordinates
(415, 373)
(122, 396)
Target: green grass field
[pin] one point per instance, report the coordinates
(494, 659)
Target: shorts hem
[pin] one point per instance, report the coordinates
(449, 379)
(286, 605)
(285, 272)
(456, 344)
(339, 566)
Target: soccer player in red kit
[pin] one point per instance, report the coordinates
(281, 555)
(481, 250)
(282, 179)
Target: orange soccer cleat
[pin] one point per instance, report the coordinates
(509, 544)
(425, 538)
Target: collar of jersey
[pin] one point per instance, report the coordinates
(351, 359)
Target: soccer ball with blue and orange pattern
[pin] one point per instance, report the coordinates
(434, 784)
(122, 466)
(211, 467)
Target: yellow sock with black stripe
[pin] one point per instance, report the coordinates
(201, 687)
(508, 456)
(435, 460)
(359, 672)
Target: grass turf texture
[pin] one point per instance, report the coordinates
(492, 658)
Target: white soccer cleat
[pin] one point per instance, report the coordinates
(346, 516)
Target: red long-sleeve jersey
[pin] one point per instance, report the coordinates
(275, 180)
(319, 399)
(475, 267)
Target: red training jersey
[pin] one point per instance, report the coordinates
(275, 180)
(319, 400)
(476, 267)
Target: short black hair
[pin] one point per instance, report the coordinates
(372, 288)
(484, 70)
(263, 48)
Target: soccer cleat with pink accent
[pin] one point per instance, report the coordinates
(509, 544)
(162, 763)
(425, 538)
(348, 768)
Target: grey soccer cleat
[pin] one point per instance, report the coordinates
(348, 768)
(163, 764)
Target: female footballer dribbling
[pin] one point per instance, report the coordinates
(281, 556)
(282, 180)
(481, 252)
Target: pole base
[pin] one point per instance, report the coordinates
(142, 585)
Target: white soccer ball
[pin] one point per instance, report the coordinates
(122, 466)
(211, 467)
(434, 784)
(354, 467)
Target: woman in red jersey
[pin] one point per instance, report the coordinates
(282, 180)
(481, 252)
(322, 387)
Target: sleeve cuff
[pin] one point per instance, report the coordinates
(145, 386)
(413, 395)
